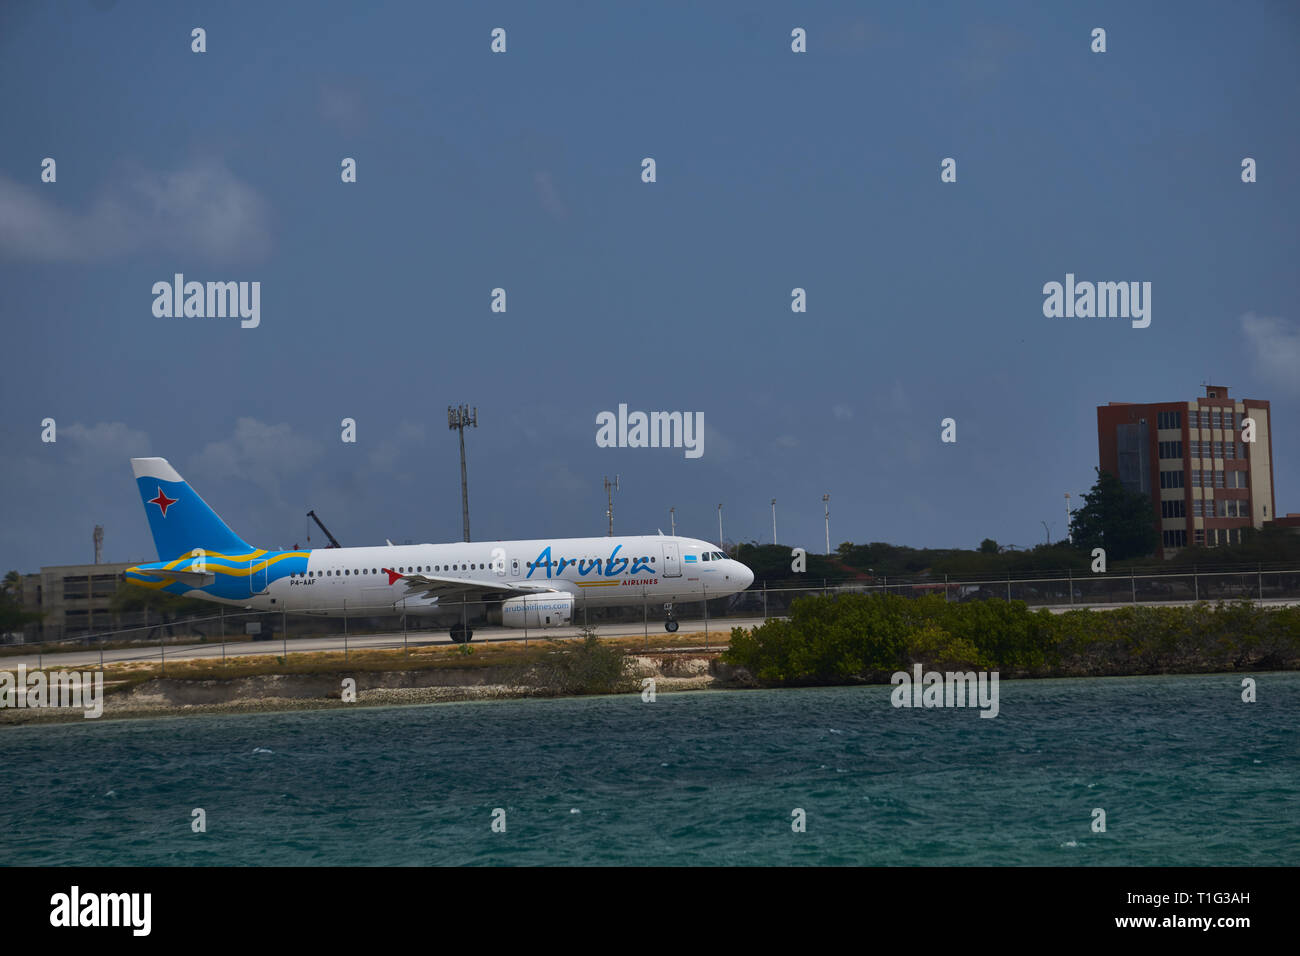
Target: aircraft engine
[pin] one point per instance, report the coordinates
(536, 610)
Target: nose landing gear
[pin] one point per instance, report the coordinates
(670, 625)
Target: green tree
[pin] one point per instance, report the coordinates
(1114, 518)
(988, 546)
(13, 616)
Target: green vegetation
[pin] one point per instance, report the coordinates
(854, 637)
(1116, 519)
(13, 617)
(583, 665)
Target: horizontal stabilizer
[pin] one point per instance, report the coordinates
(192, 579)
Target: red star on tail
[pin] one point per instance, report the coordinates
(162, 501)
(393, 576)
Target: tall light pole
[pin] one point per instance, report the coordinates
(826, 503)
(719, 524)
(774, 521)
(672, 517)
(610, 488)
(460, 418)
(1069, 533)
(1048, 530)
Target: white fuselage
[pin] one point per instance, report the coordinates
(598, 572)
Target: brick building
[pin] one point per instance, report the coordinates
(1206, 484)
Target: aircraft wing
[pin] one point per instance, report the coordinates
(430, 585)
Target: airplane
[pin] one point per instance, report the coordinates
(538, 583)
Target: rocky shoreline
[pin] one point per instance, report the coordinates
(268, 693)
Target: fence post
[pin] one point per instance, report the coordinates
(162, 653)
(223, 635)
(1261, 581)
(764, 601)
(1134, 583)
(945, 589)
(101, 658)
(1070, 585)
(645, 617)
(284, 633)
(345, 630)
(1196, 583)
(706, 616)
(1008, 586)
(407, 653)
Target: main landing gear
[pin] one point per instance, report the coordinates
(460, 634)
(670, 625)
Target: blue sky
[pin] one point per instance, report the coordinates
(522, 170)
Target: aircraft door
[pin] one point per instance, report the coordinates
(257, 575)
(672, 561)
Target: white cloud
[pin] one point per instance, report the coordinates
(548, 195)
(258, 453)
(386, 454)
(103, 443)
(1274, 345)
(341, 107)
(200, 209)
(842, 413)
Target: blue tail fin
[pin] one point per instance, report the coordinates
(179, 519)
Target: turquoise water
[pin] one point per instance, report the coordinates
(1186, 772)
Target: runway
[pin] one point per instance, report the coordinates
(719, 630)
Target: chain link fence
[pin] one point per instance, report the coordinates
(212, 635)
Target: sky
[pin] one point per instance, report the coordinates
(522, 170)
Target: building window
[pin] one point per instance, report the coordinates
(1199, 537)
(1228, 420)
(1171, 449)
(1169, 420)
(1218, 479)
(1198, 508)
(1171, 479)
(1216, 419)
(1174, 539)
(1204, 417)
(1218, 449)
(1175, 508)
